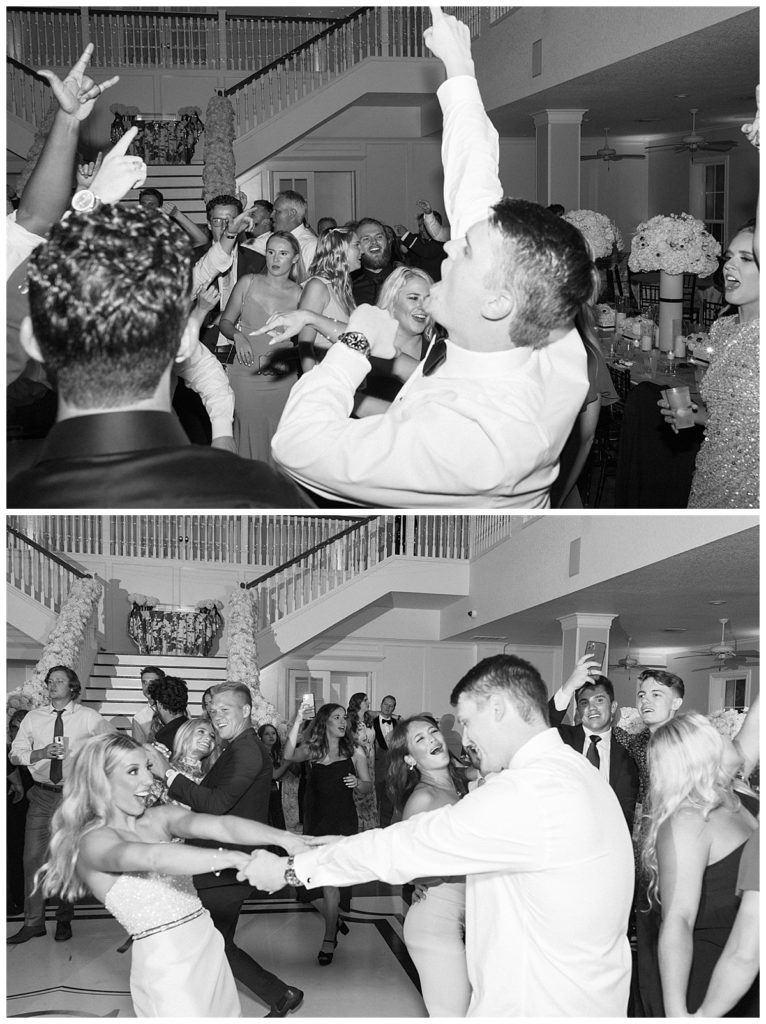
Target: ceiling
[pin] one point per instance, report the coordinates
(718, 69)
(675, 592)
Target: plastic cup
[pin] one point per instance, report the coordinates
(679, 400)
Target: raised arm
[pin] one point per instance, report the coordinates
(228, 828)
(470, 148)
(747, 740)
(292, 752)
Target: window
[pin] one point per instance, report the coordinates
(729, 690)
(708, 193)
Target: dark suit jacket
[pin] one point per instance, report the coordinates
(381, 747)
(248, 262)
(143, 460)
(239, 783)
(623, 770)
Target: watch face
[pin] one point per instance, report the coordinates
(84, 201)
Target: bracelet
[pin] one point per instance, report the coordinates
(290, 876)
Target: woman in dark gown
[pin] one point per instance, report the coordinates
(336, 767)
(698, 830)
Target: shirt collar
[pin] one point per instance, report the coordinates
(68, 707)
(112, 433)
(542, 745)
(605, 737)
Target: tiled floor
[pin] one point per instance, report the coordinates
(370, 976)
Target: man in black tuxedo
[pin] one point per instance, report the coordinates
(383, 725)
(238, 783)
(595, 702)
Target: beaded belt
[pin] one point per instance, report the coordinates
(169, 925)
(49, 787)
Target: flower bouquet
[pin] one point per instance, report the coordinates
(602, 235)
(677, 243)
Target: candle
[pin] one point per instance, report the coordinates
(646, 342)
(679, 346)
(619, 320)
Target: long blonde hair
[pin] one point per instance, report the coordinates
(330, 263)
(686, 769)
(87, 805)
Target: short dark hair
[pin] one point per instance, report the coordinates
(545, 265)
(171, 692)
(109, 297)
(222, 201)
(75, 686)
(153, 669)
(593, 683)
(151, 192)
(556, 208)
(507, 674)
(669, 679)
(265, 205)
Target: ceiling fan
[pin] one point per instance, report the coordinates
(629, 662)
(694, 142)
(726, 653)
(609, 155)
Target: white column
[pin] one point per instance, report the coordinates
(558, 156)
(577, 629)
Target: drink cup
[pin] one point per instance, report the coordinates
(679, 400)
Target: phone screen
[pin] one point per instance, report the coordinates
(309, 701)
(596, 650)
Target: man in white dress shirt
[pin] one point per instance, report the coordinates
(483, 429)
(289, 214)
(45, 742)
(543, 844)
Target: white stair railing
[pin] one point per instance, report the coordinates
(38, 573)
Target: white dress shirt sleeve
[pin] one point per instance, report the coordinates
(470, 154)
(22, 746)
(205, 375)
(19, 243)
(215, 261)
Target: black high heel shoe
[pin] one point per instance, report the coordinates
(326, 958)
(342, 927)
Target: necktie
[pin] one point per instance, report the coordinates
(57, 768)
(592, 752)
(437, 354)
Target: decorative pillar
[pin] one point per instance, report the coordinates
(577, 629)
(558, 157)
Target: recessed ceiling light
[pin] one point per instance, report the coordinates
(682, 95)
(716, 602)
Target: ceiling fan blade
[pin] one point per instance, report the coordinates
(590, 157)
(631, 156)
(718, 147)
(748, 654)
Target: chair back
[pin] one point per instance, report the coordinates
(648, 294)
(689, 289)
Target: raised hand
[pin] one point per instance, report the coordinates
(283, 325)
(208, 298)
(753, 130)
(450, 41)
(378, 327)
(584, 671)
(77, 93)
(240, 223)
(119, 173)
(169, 208)
(424, 206)
(88, 171)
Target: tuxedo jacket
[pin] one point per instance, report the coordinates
(239, 783)
(381, 747)
(623, 770)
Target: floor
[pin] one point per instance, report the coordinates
(370, 976)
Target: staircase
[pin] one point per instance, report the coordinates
(114, 686)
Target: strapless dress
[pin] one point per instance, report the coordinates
(178, 967)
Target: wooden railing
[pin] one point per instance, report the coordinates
(489, 531)
(54, 37)
(28, 95)
(355, 550)
(37, 572)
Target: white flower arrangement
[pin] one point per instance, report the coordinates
(676, 243)
(601, 234)
(728, 721)
(144, 600)
(242, 661)
(191, 111)
(631, 721)
(63, 645)
(210, 604)
(218, 172)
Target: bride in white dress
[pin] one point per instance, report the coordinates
(105, 841)
(420, 779)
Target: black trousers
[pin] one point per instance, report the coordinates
(224, 903)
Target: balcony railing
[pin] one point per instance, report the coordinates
(54, 37)
(38, 573)
(28, 95)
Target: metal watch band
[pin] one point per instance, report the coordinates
(290, 876)
(356, 341)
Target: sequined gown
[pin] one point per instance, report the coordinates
(366, 807)
(726, 474)
(178, 966)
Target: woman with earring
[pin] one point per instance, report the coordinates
(360, 729)
(421, 778)
(337, 768)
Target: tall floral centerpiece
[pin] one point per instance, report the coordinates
(218, 172)
(675, 244)
(63, 645)
(242, 661)
(605, 241)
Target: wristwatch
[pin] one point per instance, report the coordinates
(85, 201)
(290, 876)
(356, 341)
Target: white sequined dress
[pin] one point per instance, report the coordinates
(178, 968)
(727, 471)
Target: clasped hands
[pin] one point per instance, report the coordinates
(266, 870)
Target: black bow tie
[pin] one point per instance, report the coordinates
(387, 721)
(437, 354)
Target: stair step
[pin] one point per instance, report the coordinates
(161, 660)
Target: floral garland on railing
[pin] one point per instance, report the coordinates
(63, 645)
(677, 243)
(242, 660)
(599, 231)
(218, 172)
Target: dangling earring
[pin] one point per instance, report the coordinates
(410, 767)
